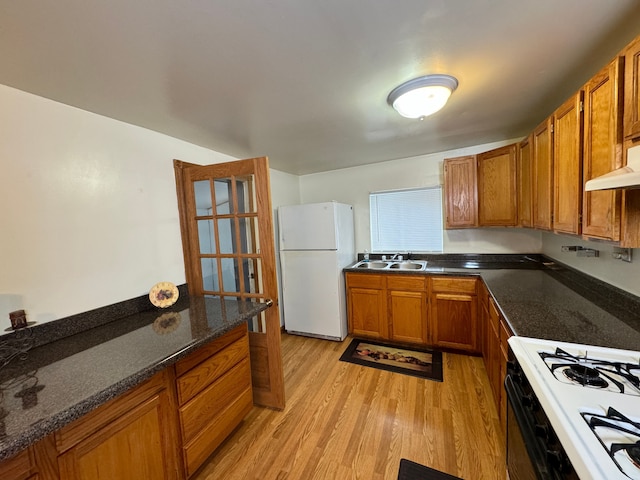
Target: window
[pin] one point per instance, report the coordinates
(406, 220)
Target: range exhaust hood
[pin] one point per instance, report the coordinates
(625, 177)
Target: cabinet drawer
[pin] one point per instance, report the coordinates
(454, 284)
(205, 373)
(214, 433)
(198, 412)
(364, 280)
(203, 353)
(407, 283)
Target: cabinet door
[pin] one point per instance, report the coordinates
(602, 151)
(630, 223)
(454, 320)
(505, 334)
(543, 175)
(483, 319)
(632, 91)
(138, 443)
(367, 306)
(493, 345)
(408, 306)
(497, 198)
(454, 313)
(567, 166)
(461, 208)
(525, 179)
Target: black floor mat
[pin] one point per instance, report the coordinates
(414, 471)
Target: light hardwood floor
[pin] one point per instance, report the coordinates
(345, 421)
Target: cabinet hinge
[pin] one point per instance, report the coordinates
(551, 128)
(581, 106)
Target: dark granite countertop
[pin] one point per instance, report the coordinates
(540, 298)
(61, 381)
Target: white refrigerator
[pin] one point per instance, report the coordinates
(316, 243)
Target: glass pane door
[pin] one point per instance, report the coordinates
(231, 254)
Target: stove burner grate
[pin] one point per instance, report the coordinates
(633, 451)
(594, 372)
(585, 376)
(613, 421)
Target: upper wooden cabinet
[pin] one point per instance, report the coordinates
(603, 150)
(461, 206)
(632, 91)
(525, 179)
(567, 166)
(497, 197)
(543, 175)
(586, 137)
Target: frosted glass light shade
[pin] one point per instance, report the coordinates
(422, 96)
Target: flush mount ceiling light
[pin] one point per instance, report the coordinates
(422, 96)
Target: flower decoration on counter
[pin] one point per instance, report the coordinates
(167, 323)
(163, 294)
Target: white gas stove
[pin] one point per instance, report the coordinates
(591, 396)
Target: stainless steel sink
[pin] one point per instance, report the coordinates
(376, 265)
(407, 266)
(404, 265)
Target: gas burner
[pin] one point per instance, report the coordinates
(600, 373)
(620, 437)
(633, 452)
(585, 376)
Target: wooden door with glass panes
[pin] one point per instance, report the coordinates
(228, 243)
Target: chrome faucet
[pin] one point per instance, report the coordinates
(396, 256)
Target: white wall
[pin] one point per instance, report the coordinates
(353, 185)
(89, 209)
(90, 218)
(285, 190)
(604, 267)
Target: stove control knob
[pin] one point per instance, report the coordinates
(542, 431)
(530, 401)
(555, 458)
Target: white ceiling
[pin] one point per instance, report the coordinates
(305, 82)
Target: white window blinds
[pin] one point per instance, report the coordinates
(406, 220)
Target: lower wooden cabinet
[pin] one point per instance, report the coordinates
(405, 309)
(496, 357)
(505, 333)
(367, 305)
(214, 394)
(388, 307)
(408, 308)
(454, 313)
(163, 429)
(132, 436)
